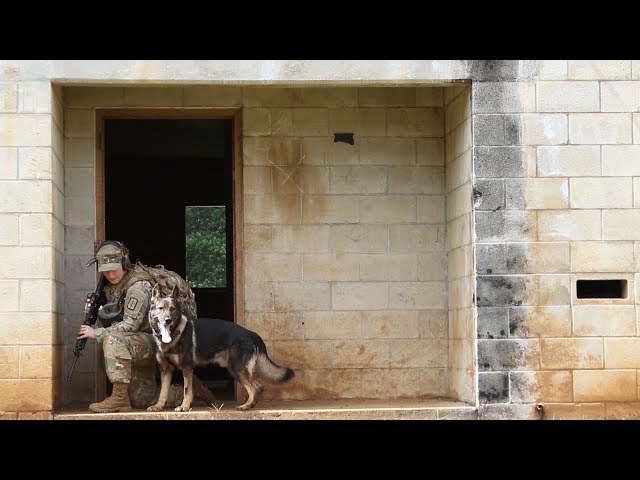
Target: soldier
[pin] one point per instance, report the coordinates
(127, 343)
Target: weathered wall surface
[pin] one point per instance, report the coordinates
(553, 147)
(555, 166)
(344, 245)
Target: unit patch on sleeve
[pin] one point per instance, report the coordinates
(134, 302)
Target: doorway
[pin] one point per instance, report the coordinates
(168, 194)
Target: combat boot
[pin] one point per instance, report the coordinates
(117, 402)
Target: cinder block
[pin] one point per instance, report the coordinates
(331, 266)
(256, 122)
(24, 395)
(540, 321)
(418, 353)
(391, 324)
(390, 383)
(599, 70)
(571, 353)
(493, 322)
(400, 151)
(543, 129)
(8, 163)
(361, 354)
(602, 257)
(417, 295)
(605, 321)
(604, 385)
(272, 266)
(386, 97)
(574, 225)
(503, 97)
(431, 96)
(512, 354)
(359, 238)
(552, 70)
(332, 325)
(362, 180)
(25, 129)
(390, 268)
(599, 128)
(276, 325)
(329, 209)
(264, 209)
(420, 180)
(8, 97)
(300, 238)
(501, 162)
(569, 161)
(621, 160)
(620, 96)
(600, 192)
(621, 224)
(415, 122)
(386, 209)
(493, 387)
(568, 96)
(548, 386)
(362, 122)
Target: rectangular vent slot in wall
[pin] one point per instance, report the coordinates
(601, 288)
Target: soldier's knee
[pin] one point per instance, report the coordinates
(115, 346)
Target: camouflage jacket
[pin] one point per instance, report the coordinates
(135, 308)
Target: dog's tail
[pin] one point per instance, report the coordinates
(269, 370)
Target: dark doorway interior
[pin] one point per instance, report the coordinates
(154, 170)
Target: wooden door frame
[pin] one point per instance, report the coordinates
(102, 114)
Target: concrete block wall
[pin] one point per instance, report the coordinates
(345, 245)
(554, 145)
(557, 186)
(31, 247)
(80, 234)
(460, 248)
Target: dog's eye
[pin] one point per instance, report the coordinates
(172, 308)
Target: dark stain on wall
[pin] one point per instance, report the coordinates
(491, 258)
(508, 354)
(499, 290)
(493, 387)
(499, 161)
(488, 194)
(493, 322)
(493, 70)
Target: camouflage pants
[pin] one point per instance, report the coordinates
(129, 357)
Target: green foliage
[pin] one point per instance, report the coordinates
(206, 247)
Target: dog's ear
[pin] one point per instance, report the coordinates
(175, 292)
(155, 293)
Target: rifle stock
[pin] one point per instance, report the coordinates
(91, 307)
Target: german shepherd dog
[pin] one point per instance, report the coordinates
(185, 343)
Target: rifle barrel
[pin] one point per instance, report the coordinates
(73, 366)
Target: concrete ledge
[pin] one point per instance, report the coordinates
(347, 409)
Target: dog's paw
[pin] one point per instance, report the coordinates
(242, 408)
(154, 408)
(182, 408)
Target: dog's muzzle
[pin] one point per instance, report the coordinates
(164, 330)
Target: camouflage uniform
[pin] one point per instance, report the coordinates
(128, 345)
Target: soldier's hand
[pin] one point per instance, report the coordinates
(86, 332)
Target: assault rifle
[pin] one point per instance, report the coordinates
(91, 306)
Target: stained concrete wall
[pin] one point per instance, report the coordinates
(554, 183)
(345, 246)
